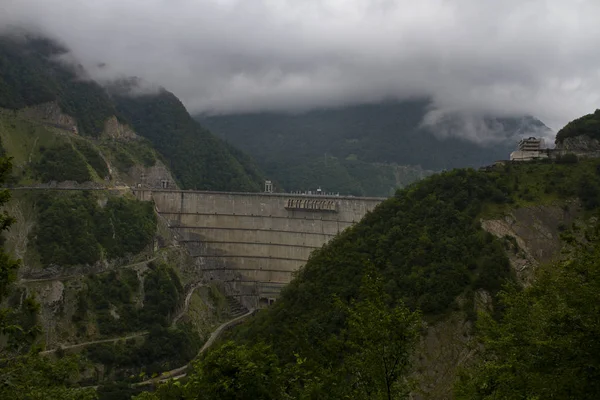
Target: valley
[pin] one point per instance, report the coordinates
(350, 252)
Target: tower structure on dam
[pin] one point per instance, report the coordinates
(253, 242)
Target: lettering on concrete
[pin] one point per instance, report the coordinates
(311, 204)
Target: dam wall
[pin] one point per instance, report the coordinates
(254, 242)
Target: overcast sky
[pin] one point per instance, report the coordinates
(505, 57)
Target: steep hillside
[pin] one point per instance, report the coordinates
(104, 290)
(32, 72)
(357, 149)
(445, 246)
(36, 73)
(44, 149)
(198, 159)
(108, 283)
(433, 253)
(588, 125)
(581, 135)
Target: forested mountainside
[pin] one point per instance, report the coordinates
(35, 71)
(368, 149)
(468, 284)
(588, 125)
(198, 159)
(101, 296)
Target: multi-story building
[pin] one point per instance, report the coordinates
(530, 144)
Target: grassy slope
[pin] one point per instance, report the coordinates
(25, 140)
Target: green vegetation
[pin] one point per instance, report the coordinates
(93, 157)
(73, 229)
(23, 139)
(375, 353)
(354, 149)
(43, 153)
(111, 299)
(325, 334)
(163, 349)
(588, 125)
(125, 155)
(33, 377)
(426, 243)
(62, 163)
(198, 159)
(23, 373)
(29, 76)
(545, 346)
(127, 226)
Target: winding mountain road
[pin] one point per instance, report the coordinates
(78, 275)
(181, 372)
(186, 303)
(136, 335)
(83, 344)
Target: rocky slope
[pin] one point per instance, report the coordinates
(102, 266)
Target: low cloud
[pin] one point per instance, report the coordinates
(482, 129)
(514, 57)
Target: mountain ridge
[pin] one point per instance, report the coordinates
(361, 137)
(31, 73)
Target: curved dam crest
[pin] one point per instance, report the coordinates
(253, 242)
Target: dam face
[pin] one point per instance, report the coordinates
(253, 242)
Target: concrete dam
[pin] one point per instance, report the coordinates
(253, 242)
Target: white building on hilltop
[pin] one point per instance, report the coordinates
(529, 149)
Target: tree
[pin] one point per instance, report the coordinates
(24, 374)
(8, 265)
(380, 340)
(546, 344)
(236, 372)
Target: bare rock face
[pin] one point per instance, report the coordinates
(115, 130)
(532, 237)
(446, 346)
(579, 144)
(157, 176)
(51, 114)
(535, 234)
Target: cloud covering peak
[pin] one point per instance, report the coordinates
(506, 58)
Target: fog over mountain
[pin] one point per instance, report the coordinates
(509, 58)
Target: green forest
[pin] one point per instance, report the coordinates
(74, 229)
(419, 256)
(588, 125)
(198, 159)
(30, 75)
(358, 149)
(364, 292)
(351, 323)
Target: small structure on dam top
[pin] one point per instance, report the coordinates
(254, 242)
